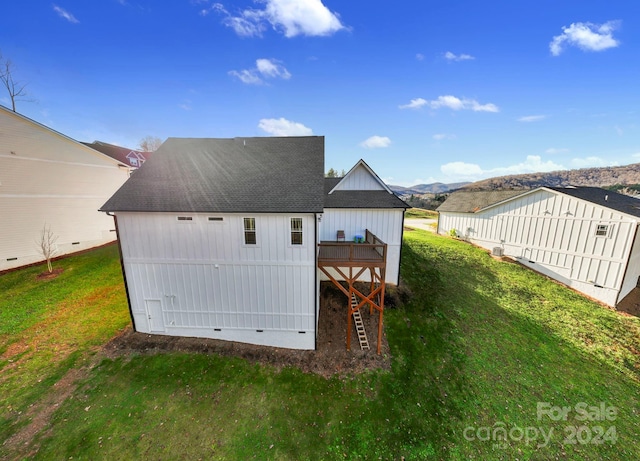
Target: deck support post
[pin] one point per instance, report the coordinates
(372, 255)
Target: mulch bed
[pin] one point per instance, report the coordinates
(330, 358)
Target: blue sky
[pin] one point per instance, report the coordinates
(423, 91)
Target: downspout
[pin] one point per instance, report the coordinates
(124, 274)
(626, 267)
(401, 242)
(316, 287)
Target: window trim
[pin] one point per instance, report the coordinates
(246, 230)
(606, 228)
(293, 232)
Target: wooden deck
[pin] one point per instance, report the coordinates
(373, 253)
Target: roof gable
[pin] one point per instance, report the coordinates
(474, 201)
(361, 177)
(33, 140)
(362, 189)
(271, 175)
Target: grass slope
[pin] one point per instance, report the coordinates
(477, 347)
(48, 326)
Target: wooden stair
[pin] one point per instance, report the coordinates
(357, 319)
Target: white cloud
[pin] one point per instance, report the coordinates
(451, 102)
(449, 56)
(592, 161)
(283, 127)
(415, 104)
(443, 136)
(532, 118)
(586, 36)
(420, 57)
(272, 68)
(556, 150)
(249, 77)
(65, 14)
(185, 105)
(462, 171)
(292, 17)
(265, 69)
(376, 142)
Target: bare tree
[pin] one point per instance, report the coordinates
(15, 89)
(149, 143)
(47, 245)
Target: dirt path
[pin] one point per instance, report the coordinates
(22, 444)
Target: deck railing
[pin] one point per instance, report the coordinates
(373, 250)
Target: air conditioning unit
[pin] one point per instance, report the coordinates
(497, 251)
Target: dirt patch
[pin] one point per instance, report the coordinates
(330, 357)
(630, 304)
(50, 275)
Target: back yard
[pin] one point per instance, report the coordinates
(488, 361)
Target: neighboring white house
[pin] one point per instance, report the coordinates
(219, 238)
(584, 237)
(49, 179)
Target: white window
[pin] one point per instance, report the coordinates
(216, 219)
(296, 231)
(602, 230)
(250, 231)
(185, 218)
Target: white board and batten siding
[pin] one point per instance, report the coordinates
(556, 234)
(385, 223)
(360, 179)
(47, 178)
(198, 278)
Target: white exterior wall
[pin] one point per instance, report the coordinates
(360, 179)
(386, 224)
(633, 269)
(48, 178)
(554, 234)
(198, 278)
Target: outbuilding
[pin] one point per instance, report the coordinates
(584, 237)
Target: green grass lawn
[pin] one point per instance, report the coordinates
(480, 345)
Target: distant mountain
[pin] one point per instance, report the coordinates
(594, 177)
(435, 188)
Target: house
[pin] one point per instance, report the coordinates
(133, 158)
(48, 179)
(221, 238)
(584, 237)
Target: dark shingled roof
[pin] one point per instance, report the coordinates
(473, 201)
(603, 197)
(277, 175)
(119, 153)
(359, 198)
